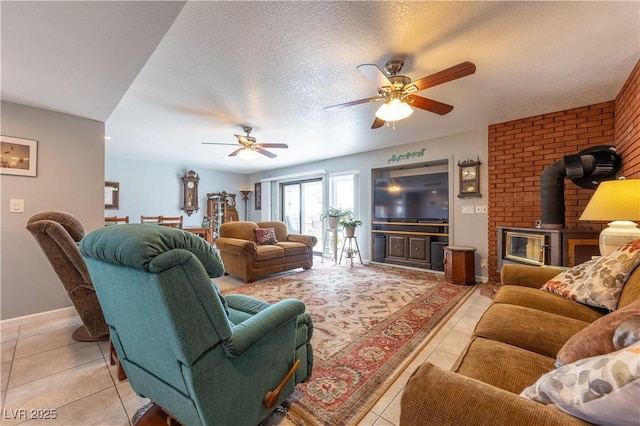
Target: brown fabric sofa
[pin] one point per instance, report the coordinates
(244, 258)
(515, 342)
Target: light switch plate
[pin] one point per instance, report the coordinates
(467, 210)
(16, 205)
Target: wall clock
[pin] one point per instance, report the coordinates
(469, 178)
(190, 192)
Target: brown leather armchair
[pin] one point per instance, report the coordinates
(58, 234)
(244, 258)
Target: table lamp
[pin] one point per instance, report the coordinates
(617, 201)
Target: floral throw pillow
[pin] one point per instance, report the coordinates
(598, 282)
(265, 236)
(602, 389)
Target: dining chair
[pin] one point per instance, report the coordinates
(151, 220)
(171, 221)
(115, 220)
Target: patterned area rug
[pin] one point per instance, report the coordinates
(369, 323)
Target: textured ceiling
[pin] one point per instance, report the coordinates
(275, 65)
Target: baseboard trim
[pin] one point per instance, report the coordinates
(42, 316)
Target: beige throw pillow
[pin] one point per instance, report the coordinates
(598, 282)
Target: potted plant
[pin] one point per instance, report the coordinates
(349, 222)
(333, 216)
(349, 252)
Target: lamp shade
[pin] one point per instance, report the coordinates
(394, 110)
(614, 200)
(617, 201)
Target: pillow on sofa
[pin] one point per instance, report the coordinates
(597, 337)
(598, 282)
(602, 389)
(265, 236)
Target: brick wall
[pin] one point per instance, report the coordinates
(627, 126)
(519, 151)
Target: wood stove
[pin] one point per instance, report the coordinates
(539, 246)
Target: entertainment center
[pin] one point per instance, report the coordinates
(411, 215)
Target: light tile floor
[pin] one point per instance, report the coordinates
(42, 369)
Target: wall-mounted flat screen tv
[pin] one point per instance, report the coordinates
(418, 198)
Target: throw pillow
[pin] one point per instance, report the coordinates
(627, 333)
(597, 337)
(598, 282)
(265, 236)
(602, 389)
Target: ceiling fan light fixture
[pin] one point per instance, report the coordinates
(247, 154)
(394, 110)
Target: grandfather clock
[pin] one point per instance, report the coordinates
(190, 192)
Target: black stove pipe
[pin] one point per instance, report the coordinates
(552, 186)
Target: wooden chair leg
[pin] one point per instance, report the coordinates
(113, 360)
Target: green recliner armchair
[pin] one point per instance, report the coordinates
(204, 358)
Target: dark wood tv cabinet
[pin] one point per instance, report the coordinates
(410, 243)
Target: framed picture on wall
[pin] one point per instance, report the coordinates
(111, 195)
(258, 195)
(18, 156)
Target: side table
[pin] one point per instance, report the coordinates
(459, 265)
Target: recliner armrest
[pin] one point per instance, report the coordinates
(440, 397)
(527, 276)
(252, 330)
(236, 245)
(309, 240)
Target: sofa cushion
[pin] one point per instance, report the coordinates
(293, 248)
(524, 367)
(603, 389)
(598, 282)
(265, 236)
(597, 337)
(541, 332)
(547, 302)
(269, 252)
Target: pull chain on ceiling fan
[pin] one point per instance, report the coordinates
(249, 147)
(398, 91)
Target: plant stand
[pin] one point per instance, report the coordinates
(348, 243)
(330, 244)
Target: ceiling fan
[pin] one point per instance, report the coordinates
(399, 92)
(249, 147)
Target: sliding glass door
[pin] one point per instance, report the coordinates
(302, 207)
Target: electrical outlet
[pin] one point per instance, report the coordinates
(478, 209)
(467, 210)
(483, 209)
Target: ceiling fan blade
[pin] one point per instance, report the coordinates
(375, 74)
(377, 123)
(358, 102)
(457, 71)
(428, 104)
(215, 143)
(234, 153)
(274, 145)
(267, 153)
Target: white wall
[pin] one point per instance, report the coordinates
(70, 178)
(465, 230)
(152, 189)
